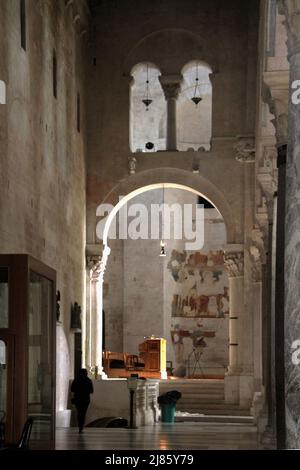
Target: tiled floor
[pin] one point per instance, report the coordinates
(175, 436)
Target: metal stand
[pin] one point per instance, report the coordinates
(131, 409)
(196, 354)
(132, 385)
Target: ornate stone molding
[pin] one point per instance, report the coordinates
(170, 85)
(257, 254)
(234, 262)
(267, 178)
(94, 266)
(245, 149)
(291, 10)
(132, 164)
(256, 268)
(97, 265)
(276, 96)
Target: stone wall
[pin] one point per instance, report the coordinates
(42, 154)
(174, 34)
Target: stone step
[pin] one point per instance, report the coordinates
(200, 403)
(215, 410)
(200, 392)
(196, 383)
(193, 389)
(204, 418)
(201, 399)
(192, 386)
(197, 393)
(219, 405)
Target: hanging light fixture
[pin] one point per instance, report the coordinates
(162, 249)
(162, 243)
(147, 99)
(196, 98)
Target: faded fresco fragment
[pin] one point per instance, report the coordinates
(199, 311)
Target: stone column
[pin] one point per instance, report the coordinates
(257, 255)
(279, 299)
(171, 87)
(95, 265)
(292, 266)
(258, 260)
(291, 10)
(234, 262)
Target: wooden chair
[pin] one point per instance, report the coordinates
(133, 362)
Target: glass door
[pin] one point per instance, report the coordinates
(40, 357)
(6, 386)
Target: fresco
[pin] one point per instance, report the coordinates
(199, 312)
(202, 285)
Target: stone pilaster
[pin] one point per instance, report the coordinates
(258, 259)
(234, 263)
(171, 87)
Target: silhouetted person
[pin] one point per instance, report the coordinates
(82, 387)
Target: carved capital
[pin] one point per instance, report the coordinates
(234, 263)
(97, 265)
(276, 96)
(267, 178)
(94, 266)
(170, 85)
(245, 149)
(131, 164)
(257, 254)
(256, 267)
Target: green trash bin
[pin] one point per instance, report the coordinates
(168, 412)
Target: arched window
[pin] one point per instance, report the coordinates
(147, 120)
(194, 120)
(54, 73)
(23, 23)
(2, 92)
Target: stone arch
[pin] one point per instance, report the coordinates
(131, 187)
(195, 182)
(170, 50)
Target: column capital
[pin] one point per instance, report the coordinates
(132, 164)
(170, 85)
(245, 149)
(97, 264)
(257, 253)
(276, 96)
(234, 260)
(93, 263)
(256, 268)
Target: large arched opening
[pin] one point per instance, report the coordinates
(188, 300)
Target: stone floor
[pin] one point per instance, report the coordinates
(176, 436)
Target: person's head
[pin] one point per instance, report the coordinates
(83, 373)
